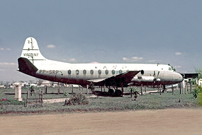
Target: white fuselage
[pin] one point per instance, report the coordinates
(81, 73)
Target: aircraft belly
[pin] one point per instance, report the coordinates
(45, 76)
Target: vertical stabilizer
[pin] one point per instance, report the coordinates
(31, 51)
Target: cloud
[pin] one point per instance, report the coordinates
(125, 59)
(152, 61)
(178, 53)
(7, 64)
(132, 59)
(136, 58)
(177, 66)
(2, 49)
(50, 46)
(72, 60)
(95, 62)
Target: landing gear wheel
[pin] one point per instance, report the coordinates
(118, 92)
(110, 92)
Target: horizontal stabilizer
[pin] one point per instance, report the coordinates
(26, 66)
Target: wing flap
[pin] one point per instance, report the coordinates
(96, 80)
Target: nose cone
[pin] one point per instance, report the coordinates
(180, 77)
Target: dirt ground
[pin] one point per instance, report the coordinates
(158, 122)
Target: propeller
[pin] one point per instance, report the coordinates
(157, 77)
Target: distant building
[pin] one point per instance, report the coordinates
(2, 86)
(190, 78)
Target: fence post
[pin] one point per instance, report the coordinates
(25, 103)
(46, 90)
(58, 88)
(131, 93)
(41, 98)
(190, 86)
(72, 89)
(159, 87)
(172, 90)
(141, 90)
(27, 94)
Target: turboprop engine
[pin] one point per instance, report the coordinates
(145, 79)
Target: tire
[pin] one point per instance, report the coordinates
(118, 92)
(110, 92)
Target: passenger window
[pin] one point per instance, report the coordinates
(69, 72)
(77, 72)
(120, 71)
(106, 72)
(113, 72)
(91, 72)
(84, 72)
(99, 72)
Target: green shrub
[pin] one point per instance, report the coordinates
(66, 93)
(197, 91)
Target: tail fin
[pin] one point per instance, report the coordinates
(31, 50)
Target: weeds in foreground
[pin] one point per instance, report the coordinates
(79, 99)
(147, 101)
(66, 94)
(197, 93)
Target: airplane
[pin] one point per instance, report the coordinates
(33, 63)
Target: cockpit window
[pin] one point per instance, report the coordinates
(171, 68)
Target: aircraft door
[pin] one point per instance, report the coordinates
(58, 75)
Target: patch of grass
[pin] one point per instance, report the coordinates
(11, 102)
(147, 101)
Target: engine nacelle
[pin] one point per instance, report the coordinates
(143, 79)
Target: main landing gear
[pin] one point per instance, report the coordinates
(164, 89)
(115, 92)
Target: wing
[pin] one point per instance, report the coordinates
(117, 80)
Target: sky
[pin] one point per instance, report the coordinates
(103, 31)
